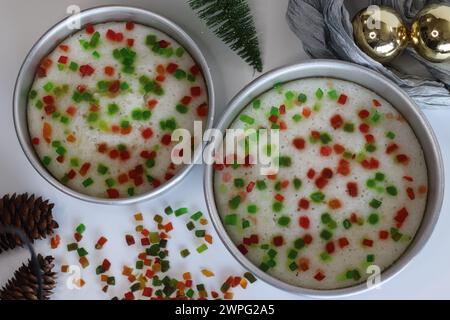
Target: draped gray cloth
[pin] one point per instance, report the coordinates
(325, 30)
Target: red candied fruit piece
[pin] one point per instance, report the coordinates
(343, 167)
(102, 147)
(367, 242)
(109, 71)
(129, 25)
(63, 59)
(342, 99)
(303, 203)
(90, 28)
(147, 133)
(376, 103)
(125, 155)
(123, 178)
(196, 91)
(311, 173)
(152, 103)
(48, 100)
(339, 149)
(319, 276)
(35, 141)
(277, 241)
(299, 143)
(352, 189)
(60, 159)
(325, 151)
(383, 234)
(84, 168)
(242, 249)
(303, 221)
(195, 70)
(369, 138)
(329, 247)
(114, 87)
(250, 186)
(171, 67)
(336, 121)
(202, 110)
(364, 127)
(163, 44)
(327, 173)
(307, 238)
(343, 242)
(71, 174)
(130, 42)
(113, 193)
(86, 70)
(321, 182)
(402, 158)
(391, 148)
(186, 100)
(363, 114)
(114, 154)
(166, 139)
(410, 193)
(401, 215)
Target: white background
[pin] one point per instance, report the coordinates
(23, 22)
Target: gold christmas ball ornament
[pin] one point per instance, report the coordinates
(380, 32)
(430, 33)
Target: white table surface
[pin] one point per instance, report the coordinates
(23, 22)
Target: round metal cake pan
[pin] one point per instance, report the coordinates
(384, 88)
(61, 31)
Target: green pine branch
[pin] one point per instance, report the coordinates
(231, 21)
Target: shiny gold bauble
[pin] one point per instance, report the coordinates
(380, 32)
(430, 33)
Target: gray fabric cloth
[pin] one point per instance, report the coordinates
(325, 30)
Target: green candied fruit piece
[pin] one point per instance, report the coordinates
(110, 182)
(73, 66)
(146, 114)
(289, 95)
(124, 86)
(332, 94)
(292, 254)
(179, 52)
(48, 86)
(235, 202)
(245, 223)
(326, 234)
(370, 258)
(325, 218)
(39, 104)
(33, 94)
(247, 119)
(317, 196)
(278, 87)
(197, 215)
(302, 98)
(347, 224)
(370, 147)
(113, 108)
(349, 127)
(61, 150)
(203, 247)
(390, 135)
(92, 117)
(297, 183)
(285, 161)
(376, 117)
(325, 138)
(64, 120)
(95, 39)
(86, 183)
(102, 169)
(261, 185)
(96, 55)
(75, 162)
(379, 176)
(373, 218)
(284, 221)
(277, 206)
(371, 183)
(181, 211)
(136, 114)
(324, 256)
(256, 104)
(293, 266)
(374, 203)
(180, 74)
(391, 190)
(252, 208)
(239, 183)
(130, 191)
(46, 160)
(297, 117)
(319, 93)
(299, 243)
(181, 108)
(124, 124)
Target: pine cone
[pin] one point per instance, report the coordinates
(24, 285)
(33, 216)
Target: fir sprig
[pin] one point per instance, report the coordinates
(231, 21)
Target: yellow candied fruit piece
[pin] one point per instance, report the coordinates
(138, 216)
(64, 268)
(207, 273)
